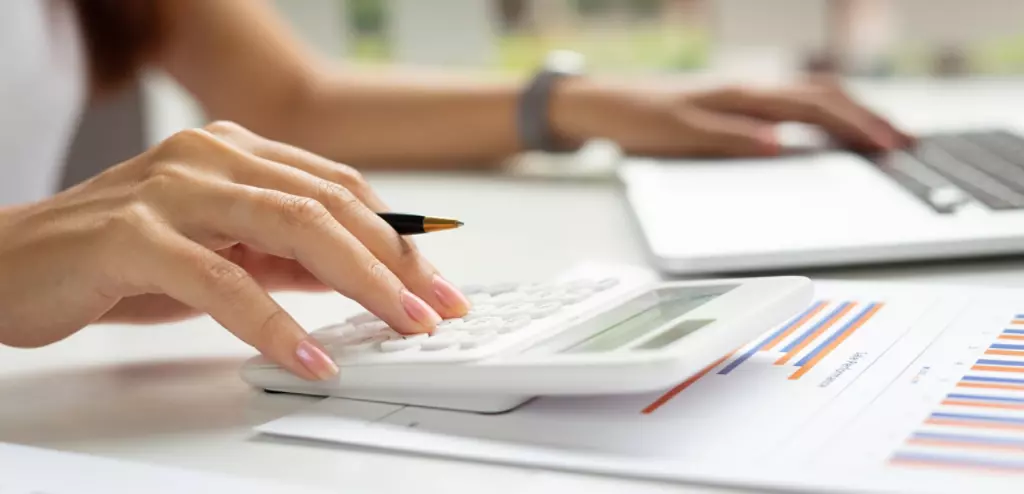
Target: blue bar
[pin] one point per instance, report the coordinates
(1013, 331)
(1019, 316)
(957, 396)
(967, 439)
(750, 353)
(977, 418)
(846, 327)
(1011, 363)
(959, 461)
(985, 379)
(807, 334)
(1004, 346)
(743, 358)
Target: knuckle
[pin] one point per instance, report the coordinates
(337, 198)
(812, 107)
(165, 174)
(379, 274)
(270, 330)
(133, 219)
(226, 278)
(350, 177)
(225, 128)
(187, 140)
(302, 211)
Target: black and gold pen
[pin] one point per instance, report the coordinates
(414, 224)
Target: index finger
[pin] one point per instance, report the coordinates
(198, 277)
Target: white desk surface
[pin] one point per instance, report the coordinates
(170, 395)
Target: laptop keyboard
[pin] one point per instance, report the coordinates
(949, 170)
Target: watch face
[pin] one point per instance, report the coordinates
(566, 62)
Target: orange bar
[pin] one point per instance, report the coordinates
(1004, 406)
(978, 425)
(807, 341)
(835, 343)
(996, 368)
(665, 398)
(1018, 337)
(936, 464)
(795, 326)
(990, 386)
(963, 445)
(1017, 321)
(1011, 353)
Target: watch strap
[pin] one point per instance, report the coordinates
(534, 124)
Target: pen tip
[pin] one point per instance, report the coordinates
(438, 224)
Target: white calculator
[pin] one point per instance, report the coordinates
(619, 332)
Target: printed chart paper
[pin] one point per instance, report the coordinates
(875, 386)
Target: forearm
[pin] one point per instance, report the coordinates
(405, 120)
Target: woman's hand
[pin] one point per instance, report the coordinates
(210, 220)
(725, 122)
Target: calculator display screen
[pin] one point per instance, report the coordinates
(642, 315)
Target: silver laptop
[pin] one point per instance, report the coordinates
(959, 193)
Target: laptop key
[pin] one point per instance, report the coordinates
(966, 177)
(984, 159)
(1007, 146)
(928, 186)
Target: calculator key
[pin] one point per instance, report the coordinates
(483, 324)
(469, 290)
(450, 324)
(545, 295)
(400, 344)
(364, 345)
(542, 310)
(372, 327)
(477, 340)
(507, 298)
(479, 311)
(577, 284)
(333, 331)
(362, 318)
(529, 288)
(441, 341)
(574, 296)
(499, 288)
(479, 298)
(512, 309)
(514, 323)
(606, 283)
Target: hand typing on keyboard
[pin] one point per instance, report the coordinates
(207, 222)
(732, 121)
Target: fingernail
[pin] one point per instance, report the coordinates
(316, 360)
(450, 296)
(418, 310)
(769, 141)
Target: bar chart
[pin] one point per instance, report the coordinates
(800, 344)
(979, 425)
(811, 336)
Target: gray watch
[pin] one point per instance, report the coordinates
(533, 122)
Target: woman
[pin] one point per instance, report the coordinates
(212, 219)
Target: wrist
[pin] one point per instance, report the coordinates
(575, 113)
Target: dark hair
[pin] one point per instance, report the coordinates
(120, 37)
